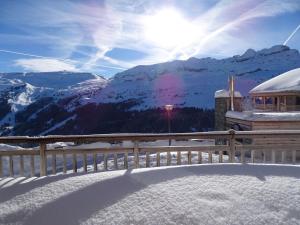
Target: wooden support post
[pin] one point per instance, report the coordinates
(64, 163)
(136, 154)
(126, 160)
(22, 165)
(264, 156)
(116, 160)
(84, 163)
(232, 146)
(95, 161)
(199, 157)
(178, 158)
(32, 168)
(147, 159)
(158, 159)
(11, 166)
(43, 160)
(74, 163)
(220, 156)
(168, 158)
(53, 164)
(189, 157)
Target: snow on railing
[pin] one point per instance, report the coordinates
(217, 146)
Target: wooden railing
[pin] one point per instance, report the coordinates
(238, 146)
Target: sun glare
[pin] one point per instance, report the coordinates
(168, 29)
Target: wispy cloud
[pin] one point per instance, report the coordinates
(291, 35)
(45, 65)
(91, 30)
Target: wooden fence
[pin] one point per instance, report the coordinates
(239, 147)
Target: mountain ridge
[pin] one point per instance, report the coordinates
(30, 99)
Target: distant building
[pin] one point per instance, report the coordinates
(274, 104)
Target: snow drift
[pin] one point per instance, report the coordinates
(198, 194)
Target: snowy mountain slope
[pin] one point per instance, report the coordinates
(18, 91)
(66, 102)
(194, 81)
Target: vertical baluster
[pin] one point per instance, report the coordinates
(53, 164)
(220, 156)
(95, 161)
(74, 163)
(199, 157)
(252, 156)
(116, 161)
(178, 158)
(264, 156)
(84, 163)
(158, 159)
(189, 157)
(294, 156)
(11, 166)
(126, 160)
(32, 168)
(243, 156)
(210, 157)
(105, 161)
(147, 159)
(1, 170)
(64, 163)
(283, 156)
(168, 158)
(273, 157)
(22, 165)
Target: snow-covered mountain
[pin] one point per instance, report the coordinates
(43, 103)
(19, 91)
(194, 81)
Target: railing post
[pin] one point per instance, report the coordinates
(232, 145)
(43, 160)
(136, 154)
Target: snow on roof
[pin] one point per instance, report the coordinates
(195, 194)
(225, 94)
(289, 81)
(264, 116)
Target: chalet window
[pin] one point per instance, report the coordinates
(269, 100)
(259, 100)
(298, 100)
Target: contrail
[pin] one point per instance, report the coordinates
(43, 57)
(292, 34)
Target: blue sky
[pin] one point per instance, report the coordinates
(106, 37)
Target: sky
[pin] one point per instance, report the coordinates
(107, 37)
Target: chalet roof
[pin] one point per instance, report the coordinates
(286, 82)
(264, 116)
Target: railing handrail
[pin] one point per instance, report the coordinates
(226, 141)
(146, 136)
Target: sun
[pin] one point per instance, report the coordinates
(168, 29)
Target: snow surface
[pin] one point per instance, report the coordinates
(225, 94)
(289, 81)
(198, 194)
(264, 116)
